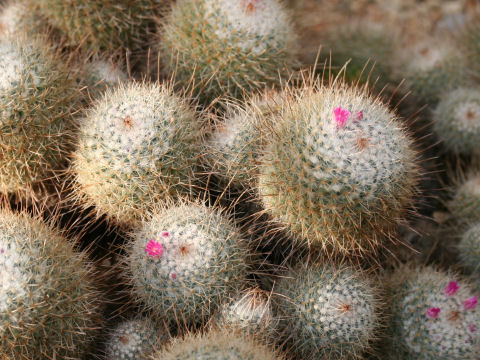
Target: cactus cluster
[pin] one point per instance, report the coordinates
(434, 316)
(37, 98)
(185, 260)
(49, 307)
(137, 145)
(327, 311)
(227, 46)
(349, 160)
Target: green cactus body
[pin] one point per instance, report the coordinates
(139, 144)
(434, 317)
(135, 339)
(250, 312)
(235, 147)
(185, 261)
(469, 249)
(465, 205)
(457, 120)
(434, 68)
(368, 46)
(99, 25)
(327, 312)
(36, 102)
(218, 345)
(227, 46)
(48, 304)
(339, 170)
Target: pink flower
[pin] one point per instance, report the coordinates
(472, 328)
(341, 116)
(173, 276)
(471, 303)
(451, 288)
(433, 312)
(154, 248)
(165, 234)
(359, 116)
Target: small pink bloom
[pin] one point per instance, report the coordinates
(433, 312)
(154, 248)
(165, 234)
(2, 251)
(451, 288)
(359, 116)
(341, 116)
(472, 328)
(471, 303)
(173, 276)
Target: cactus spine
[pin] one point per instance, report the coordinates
(137, 145)
(228, 46)
(185, 261)
(48, 304)
(337, 160)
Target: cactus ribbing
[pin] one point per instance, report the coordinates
(37, 98)
(434, 316)
(469, 249)
(139, 144)
(218, 345)
(185, 261)
(457, 120)
(339, 170)
(49, 307)
(227, 46)
(135, 339)
(327, 312)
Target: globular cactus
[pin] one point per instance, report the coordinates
(100, 75)
(98, 25)
(469, 249)
(434, 315)
(369, 48)
(185, 260)
(457, 120)
(433, 67)
(139, 144)
(227, 46)
(37, 99)
(135, 339)
(327, 312)
(218, 345)
(465, 204)
(18, 17)
(338, 171)
(49, 307)
(250, 312)
(238, 139)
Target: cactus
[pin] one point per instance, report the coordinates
(135, 339)
(457, 120)
(470, 40)
(434, 67)
(327, 311)
(100, 75)
(250, 312)
(369, 47)
(49, 306)
(465, 204)
(218, 345)
(185, 261)
(18, 17)
(469, 249)
(339, 170)
(137, 145)
(37, 98)
(227, 46)
(99, 25)
(234, 149)
(434, 316)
